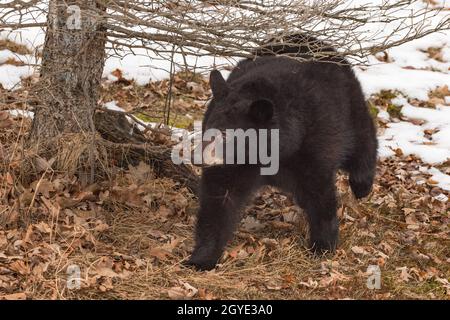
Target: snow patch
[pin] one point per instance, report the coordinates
(17, 113)
(10, 75)
(442, 179)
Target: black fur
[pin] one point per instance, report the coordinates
(324, 126)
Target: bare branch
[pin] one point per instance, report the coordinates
(234, 28)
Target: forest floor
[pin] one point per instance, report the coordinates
(128, 234)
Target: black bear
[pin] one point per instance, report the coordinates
(324, 125)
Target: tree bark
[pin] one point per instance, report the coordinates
(72, 67)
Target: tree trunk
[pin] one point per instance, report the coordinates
(72, 67)
(65, 132)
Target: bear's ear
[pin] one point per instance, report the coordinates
(261, 110)
(218, 84)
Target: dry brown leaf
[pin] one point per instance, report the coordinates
(9, 178)
(142, 172)
(273, 285)
(100, 226)
(189, 289)
(5, 120)
(291, 217)
(42, 164)
(176, 293)
(159, 253)
(333, 278)
(359, 250)
(43, 227)
(412, 222)
(404, 274)
(43, 187)
(20, 267)
(435, 101)
(234, 252)
(310, 283)
(270, 243)
(183, 292)
(204, 294)
(106, 272)
(281, 225)
(14, 296)
(249, 223)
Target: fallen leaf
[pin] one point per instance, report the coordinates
(14, 296)
(204, 294)
(251, 224)
(281, 225)
(183, 292)
(359, 250)
(20, 267)
(404, 275)
(176, 293)
(159, 253)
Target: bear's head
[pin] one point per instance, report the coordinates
(243, 104)
(241, 115)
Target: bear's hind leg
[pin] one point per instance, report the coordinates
(318, 199)
(361, 164)
(362, 160)
(361, 182)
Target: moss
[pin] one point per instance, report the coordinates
(384, 99)
(387, 95)
(178, 121)
(373, 110)
(430, 286)
(182, 122)
(190, 76)
(394, 111)
(146, 118)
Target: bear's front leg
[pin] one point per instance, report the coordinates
(319, 201)
(224, 191)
